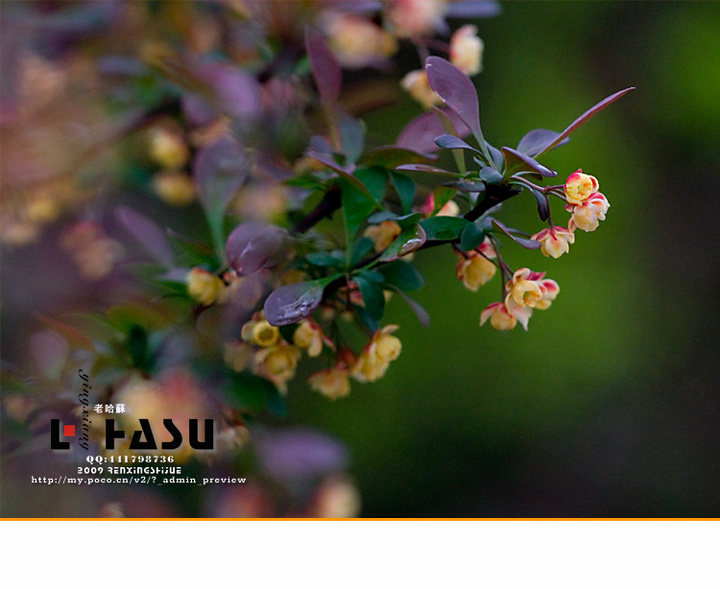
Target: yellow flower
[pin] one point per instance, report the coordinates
(555, 241)
(529, 290)
(204, 286)
(332, 383)
(168, 148)
(523, 289)
(260, 332)
(175, 188)
(474, 270)
(308, 336)
(417, 84)
(466, 50)
(375, 358)
(278, 364)
(579, 187)
(383, 235)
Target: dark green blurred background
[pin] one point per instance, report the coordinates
(609, 405)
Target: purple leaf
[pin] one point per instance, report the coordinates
(391, 157)
(219, 170)
(417, 308)
(328, 160)
(420, 133)
(456, 89)
(536, 141)
(70, 333)
(514, 160)
(473, 9)
(427, 170)
(319, 144)
(586, 116)
(235, 92)
(542, 203)
(252, 246)
(299, 454)
(50, 352)
(530, 244)
(293, 302)
(325, 68)
(147, 233)
(451, 142)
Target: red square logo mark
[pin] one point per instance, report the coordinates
(69, 431)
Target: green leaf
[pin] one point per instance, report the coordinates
(248, 392)
(324, 259)
(471, 238)
(444, 228)
(405, 187)
(375, 180)
(356, 207)
(362, 248)
(402, 275)
(372, 294)
(138, 347)
(403, 220)
(443, 195)
(277, 404)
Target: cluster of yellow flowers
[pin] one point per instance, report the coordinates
(263, 350)
(588, 208)
(528, 290)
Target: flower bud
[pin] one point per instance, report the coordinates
(175, 188)
(579, 187)
(555, 241)
(168, 148)
(204, 286)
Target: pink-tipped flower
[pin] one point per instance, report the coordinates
(503, 318)
(588, 215)
(555, 241)
(579, 187)
(528, 289)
